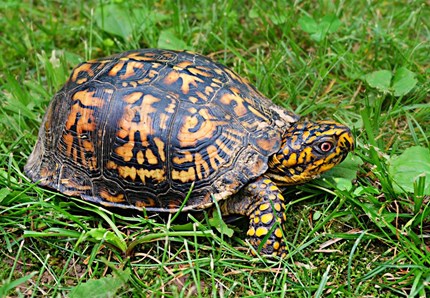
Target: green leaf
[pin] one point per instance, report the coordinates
(330, 23)
(404, 81)
(361, 190)
(149, 16)
(52, 232)
(114, 19)
(343, 184)
(220, 225)
(104, 287)
(401, 84)
(108, 42)
(317, 215)
(278, 19)
(168, 40)
(407, 168)
(318, 31)
(10, 285)
(4, 192)
(380, 80)
(253, 13)
(379, 216)
(346, 169)
(108, 236)
(308, 24)
(342, 174)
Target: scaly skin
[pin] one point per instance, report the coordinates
(309, 149)
(263, 203)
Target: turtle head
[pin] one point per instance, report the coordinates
(309, 149)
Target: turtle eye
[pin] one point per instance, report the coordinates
(325, 146)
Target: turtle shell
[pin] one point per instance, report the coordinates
(142, 128)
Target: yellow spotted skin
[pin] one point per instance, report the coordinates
(263, 202)
(138, 129)
(309, 149)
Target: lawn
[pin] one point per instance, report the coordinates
(362, 230)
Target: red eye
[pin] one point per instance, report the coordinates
(326, 146)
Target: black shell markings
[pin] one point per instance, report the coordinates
(136, 130)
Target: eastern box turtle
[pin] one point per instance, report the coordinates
(139, 129)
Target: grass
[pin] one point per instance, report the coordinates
(363, 237)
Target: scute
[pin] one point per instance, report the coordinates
(139, 129)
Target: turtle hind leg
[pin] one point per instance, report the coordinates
(263, 203)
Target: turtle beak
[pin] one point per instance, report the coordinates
(346, 140)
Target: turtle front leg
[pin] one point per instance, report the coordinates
(263, 203)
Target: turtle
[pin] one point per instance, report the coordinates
(167, 131)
